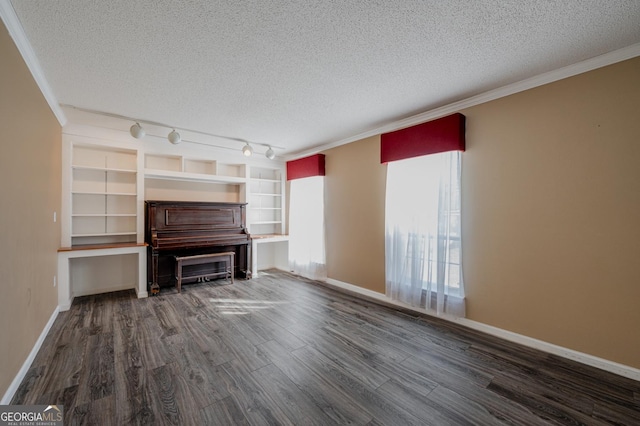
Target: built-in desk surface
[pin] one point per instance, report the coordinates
(281, 260)
(65, 254)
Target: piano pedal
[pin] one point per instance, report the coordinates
(206, 279)
(155, 289)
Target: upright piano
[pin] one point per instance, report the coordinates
(179, 228)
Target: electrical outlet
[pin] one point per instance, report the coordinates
(55, 217)
(55, 281)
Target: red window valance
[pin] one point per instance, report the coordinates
(441, 135)
(306, 167)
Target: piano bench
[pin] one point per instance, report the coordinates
(226, 257)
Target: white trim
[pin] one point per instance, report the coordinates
(501, 92)
(8, 395)
(359, 290)
(593, 361)
(11, 21)
(255, 240)
(66, 293)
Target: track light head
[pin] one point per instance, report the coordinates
(137, 131)
(174, 137)
(270, 154)
(247, 150)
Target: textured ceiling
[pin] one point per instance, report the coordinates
(299, 74)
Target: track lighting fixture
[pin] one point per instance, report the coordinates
(270, 154)
(174, 137)
(137, 131)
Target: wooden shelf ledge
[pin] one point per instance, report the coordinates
(101, 246)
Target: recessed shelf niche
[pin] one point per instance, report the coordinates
(103, 195)
(266, 201)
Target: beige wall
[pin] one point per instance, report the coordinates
(30, 193)
(551, 183)
(551, 211)
(354, 207)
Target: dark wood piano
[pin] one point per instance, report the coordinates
(179, 228)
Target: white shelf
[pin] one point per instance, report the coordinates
(101, 194)
(198, 177)
(103, 169)
(199, 166)
(126, 194)
(104, 215)
(258, 180)
(184, 168)
(266, 200)
(102, 234)
(101, 157)
(267, 174)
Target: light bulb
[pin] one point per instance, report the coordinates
(247, 150)
(270, 154)
(174, 137)
(137, 131)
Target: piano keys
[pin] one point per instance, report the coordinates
(184, 228)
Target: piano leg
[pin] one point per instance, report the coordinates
(245, 259)
(155, 288)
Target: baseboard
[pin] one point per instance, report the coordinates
(8, 395)
(583, 358)
(65, 306)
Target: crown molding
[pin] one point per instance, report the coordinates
(501, 92)
(11, 21)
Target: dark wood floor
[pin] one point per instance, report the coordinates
(280, 350)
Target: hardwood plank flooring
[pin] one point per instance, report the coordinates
(282, 350)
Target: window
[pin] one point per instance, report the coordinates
(423, 252)
(306, 227)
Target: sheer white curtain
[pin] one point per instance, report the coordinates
(422, 237)
(306, 228)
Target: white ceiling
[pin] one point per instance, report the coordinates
(301, 74)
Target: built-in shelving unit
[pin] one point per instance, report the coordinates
(103, 195)
(265, 193)
(266, 201)
(105, 181)
(174, 167)
(102, 233)
(106, 186)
